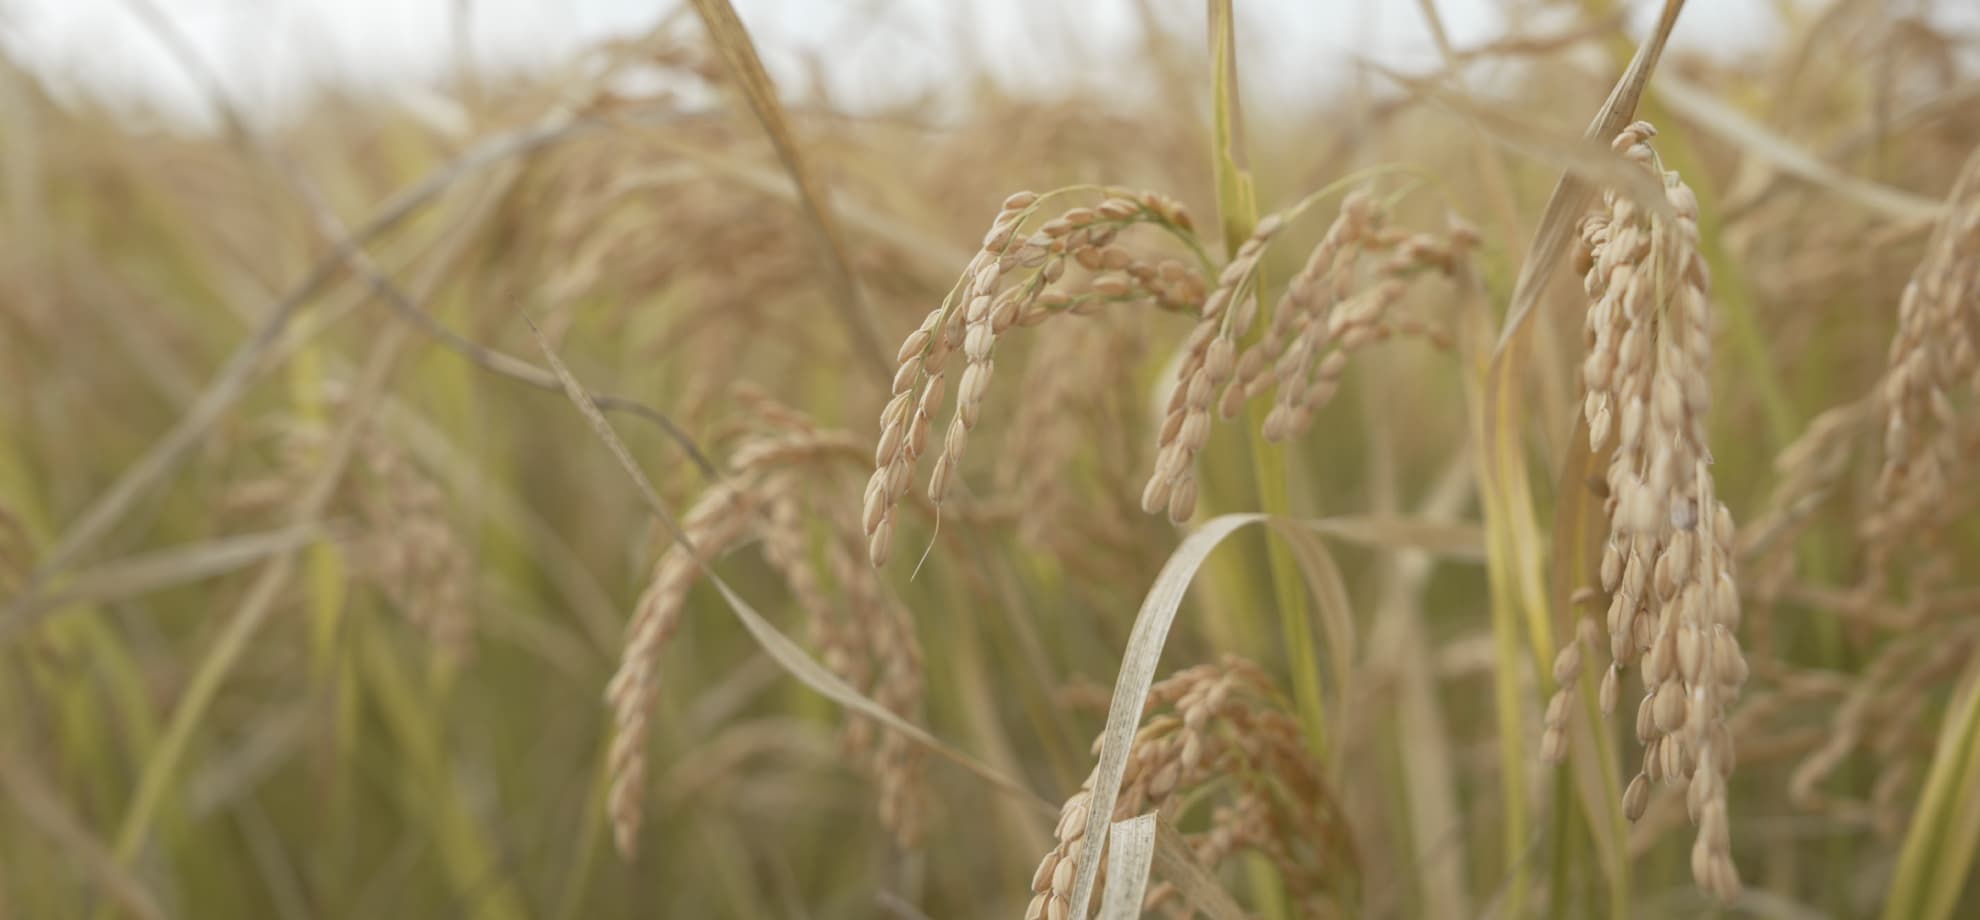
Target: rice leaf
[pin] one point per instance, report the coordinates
(1138, 663)
(1329, 589)
(1128, 862)
(1144, 651)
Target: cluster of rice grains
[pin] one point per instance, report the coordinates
(1226, 721)
(1929, 443)
(1922, 407)
(1012, 281)
(781, 475)
(1668, 563)
(418, 560)
(1078, 420)
(1341, 300)
(407, 547)
(1204, 726)
(1334, 305)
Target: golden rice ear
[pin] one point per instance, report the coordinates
(1017, 279)
(1649, 333)
(1932, 357)
(1518, 555)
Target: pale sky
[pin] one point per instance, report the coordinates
(270, 53)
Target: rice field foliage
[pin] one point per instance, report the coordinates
(1535, 483)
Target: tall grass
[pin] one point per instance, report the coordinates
(599, 377)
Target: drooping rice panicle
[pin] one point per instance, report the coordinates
(1668, 562)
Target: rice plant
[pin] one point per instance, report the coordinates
(1534, 483)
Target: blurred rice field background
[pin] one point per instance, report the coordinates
(464, 500)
